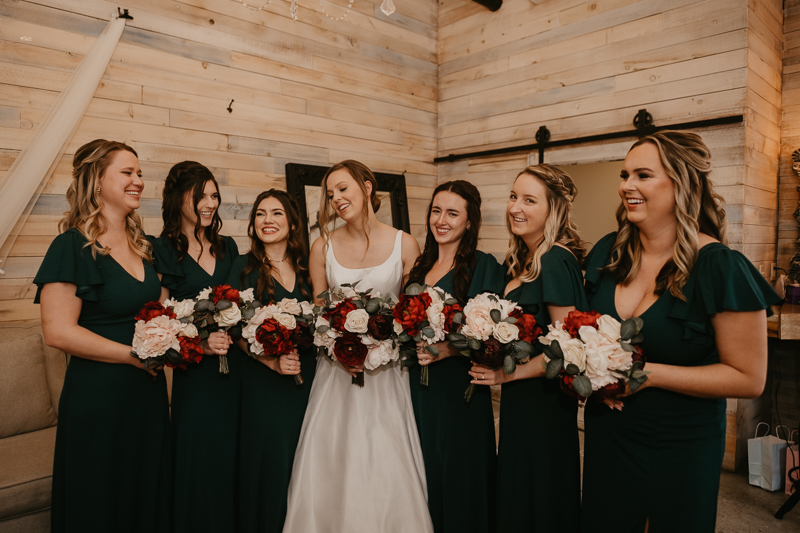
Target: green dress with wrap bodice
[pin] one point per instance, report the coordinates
(272, 413)
(457, 438)
(660, 456)
(539, 458)
(205, 408)
(111, 470)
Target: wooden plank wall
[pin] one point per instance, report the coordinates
(314, 91)
(790, 134)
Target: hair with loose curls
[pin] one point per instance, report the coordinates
(558, 228)
(698, 209)
(86, 205)
(189, 178)
(361, 175)
(257, 259)
(465, 255)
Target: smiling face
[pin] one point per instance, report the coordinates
(647, 192)
(344, 194)
(271, 222)
(528, 208)
(206, 207)
(121, 184)
(449, 219)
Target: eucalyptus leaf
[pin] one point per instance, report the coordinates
(359, 304)
(582, 386)
(509, 365)
(203, 334)
(638, 374)
(492, 298)
(186, 320)
(368, 291)
(323, 295)
(553, 368)
(510, 320)
(404, 337)
(475, 344)
(555, 348)
(450, 301)
(415, 289)
(173, 356)
(224, 304)
(458, 318)
(256, 304)
(627, 346)
(637, 339)
(418, 337)
(465, 353)
(323, 329)
(347, 284)
(572, 370)
(460, 345)
(523, 347)
(249, 313)
(628, 329)
(456, 337)
(433, 350)
(636, 383)
(428, 332)
(373, 306)
(495, 314)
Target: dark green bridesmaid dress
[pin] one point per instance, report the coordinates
(458, 442)
(272, 413)
(660, 457)
(538, 482)
(112, 461)
(205, 409)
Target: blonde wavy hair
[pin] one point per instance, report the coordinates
(361, 174)
(698, 209)
(86, 205)
(558, 228)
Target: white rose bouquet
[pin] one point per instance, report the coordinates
(165, 335)
(595, 355)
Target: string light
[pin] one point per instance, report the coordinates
(252, 8)
(349, 5)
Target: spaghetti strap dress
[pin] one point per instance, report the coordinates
(458, 440)
(358, 466)
(205, 408)
(111, 470)
(538, 461)
(272, 412)
(660, 457)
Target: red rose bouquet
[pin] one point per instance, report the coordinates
(222, 308)
(595, 355)
(277, 329)
(355, 328)
(165, 335)
(495, 333)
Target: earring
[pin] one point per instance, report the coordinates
(98, 190)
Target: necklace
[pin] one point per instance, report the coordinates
(278, 260)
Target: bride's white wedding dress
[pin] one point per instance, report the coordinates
(358, 466)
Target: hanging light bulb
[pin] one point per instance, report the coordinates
(387, 7)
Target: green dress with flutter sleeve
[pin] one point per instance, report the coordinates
(272, 413)
(111, 470)
(538, 482)
(205, 408)
(458, 441)
(660, 457)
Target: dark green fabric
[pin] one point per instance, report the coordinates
(272, 413)
(111, 470)
(458, 442)
(663, 452)
(539, 456)
(205, 408)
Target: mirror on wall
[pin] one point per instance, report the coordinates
(303, 184)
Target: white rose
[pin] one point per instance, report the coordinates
(435, 296)
(600, 352)
(505, 332)
(398, 329)
(307, 308)
(506, 306)
(290, 305)
(154, 337)
(326, 339)
(609, 326)
(256, 348)
(205, 294)
(286, 320)
(381, 354)
(435, 316)
(189, 330)
(249, 332)
(247, 295)
(356, 321)
(478, 322)
(228, 317)
(574, 354)
(556, 333)
(181, 308)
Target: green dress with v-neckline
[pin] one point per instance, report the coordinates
(111, 470)
(538, 461)
(660, 456)
(272, 412)
(205, 408)
(457, 438)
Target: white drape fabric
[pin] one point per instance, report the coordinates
(24, 181)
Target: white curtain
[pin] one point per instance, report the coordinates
(22, 184)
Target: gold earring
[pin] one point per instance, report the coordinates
(98, 190)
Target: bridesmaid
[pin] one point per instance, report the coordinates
(273, 406)
(191, 255)
(111, 470)
(458, 441)
(658, 454)
(538, 482)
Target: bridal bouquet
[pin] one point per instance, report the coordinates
(496, 333)
(222, 308)
(356, 328)
(593, 354)
(165, 335)
(277, 329)
(424, 313)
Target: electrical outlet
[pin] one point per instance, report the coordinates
(773, 271)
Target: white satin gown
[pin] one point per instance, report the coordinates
(358, 466)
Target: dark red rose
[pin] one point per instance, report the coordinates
(380, 327)
(191, 352)
(152, 310)
(338, 315)
(302, 336)
(576, 319)
(449, 312)
(225, 292)
(566, 385)
(410, 312)
(528, 329)
(349, 350)
(610, 391)
(490, 354)
(275, 338)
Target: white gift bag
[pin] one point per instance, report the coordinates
(766, 456)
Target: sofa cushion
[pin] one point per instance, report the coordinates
(24, 390)
(26, 475)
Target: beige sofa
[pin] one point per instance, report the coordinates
(31, 376)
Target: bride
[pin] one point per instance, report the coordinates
(358, 465)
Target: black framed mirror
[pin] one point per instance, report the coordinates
(303, 184)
